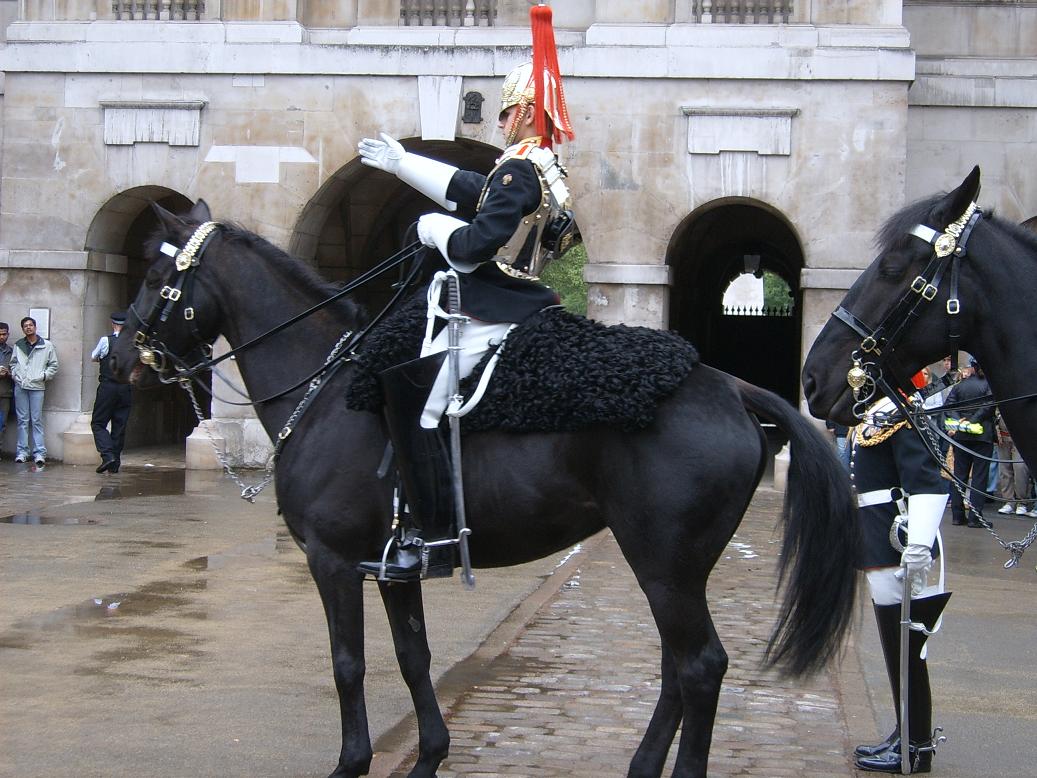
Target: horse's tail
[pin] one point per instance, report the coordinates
(818, 559)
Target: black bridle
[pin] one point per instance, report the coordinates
(873, 360)
(158, 356)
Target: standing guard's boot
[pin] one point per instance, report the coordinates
(925, 610)
(428, 548)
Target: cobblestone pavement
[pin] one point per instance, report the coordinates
(572, 695)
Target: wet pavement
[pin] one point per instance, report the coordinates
(152, 623)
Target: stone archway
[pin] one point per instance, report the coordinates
(162, 416)
(360, 216)
(716, 244)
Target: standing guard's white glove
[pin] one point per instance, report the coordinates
(924, 513)
(384, 154)
(435, 229)
(428, 176)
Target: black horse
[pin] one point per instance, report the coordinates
(995, 289)
(672, 494)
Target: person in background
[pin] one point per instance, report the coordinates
(6, 382)
(1013, 476)
(973, 431)
(35, 362)
(111, 404)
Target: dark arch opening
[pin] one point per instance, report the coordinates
(715, 245)
(162, 416)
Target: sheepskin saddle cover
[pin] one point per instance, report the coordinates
(557, 372)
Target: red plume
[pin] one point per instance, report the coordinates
(918, 380)
(549, 96)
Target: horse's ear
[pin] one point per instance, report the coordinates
(170, 221)
(954, 204)
(200, 211)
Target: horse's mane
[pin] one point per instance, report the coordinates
(301, 274)
(894, 233)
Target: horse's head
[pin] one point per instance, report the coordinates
(175, 318)
(902, 311)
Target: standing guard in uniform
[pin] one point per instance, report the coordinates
(517, 219)
(896, 478)
(112, 403)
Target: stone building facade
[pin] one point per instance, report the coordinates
(710, 140)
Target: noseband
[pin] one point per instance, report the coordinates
(873, 358)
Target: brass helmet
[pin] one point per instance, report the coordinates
(522, 83)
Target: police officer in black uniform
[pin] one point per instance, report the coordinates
(896, 476)
(112, 403)
(496, 252)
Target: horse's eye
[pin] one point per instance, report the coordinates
(894, 265)
(153, 279)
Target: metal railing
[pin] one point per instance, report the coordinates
(159, 10)
(741, 11)
(776, 311)
(448, 13)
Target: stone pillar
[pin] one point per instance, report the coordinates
(78, 443)
(199, 453)
(626, 12)
(636, 295)
(378, 12)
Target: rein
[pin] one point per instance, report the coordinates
(873, 359)
(154, 354)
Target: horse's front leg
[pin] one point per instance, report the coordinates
(341, 591)
(406, 614)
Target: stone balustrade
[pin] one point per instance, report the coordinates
(159, 10)
(448, 13)
(741, 11)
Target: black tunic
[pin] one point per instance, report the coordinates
(902, 461)
(488, 293)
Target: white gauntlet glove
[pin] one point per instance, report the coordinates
(435, 229)
(384, 154)
(428, 176)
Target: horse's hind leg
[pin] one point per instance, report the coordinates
(405, 610)
(651, 754)
(699, 664)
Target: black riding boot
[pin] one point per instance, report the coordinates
(885, 757)
(423, 461)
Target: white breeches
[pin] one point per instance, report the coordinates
(476, 338)
(887, 589)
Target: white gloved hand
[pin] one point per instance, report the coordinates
(915, 561)
(384, 154)
(435, 229)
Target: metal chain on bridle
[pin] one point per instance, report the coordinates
(153, 352)
(867, 378)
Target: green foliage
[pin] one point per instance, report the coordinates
(565, 276)
(776, 293)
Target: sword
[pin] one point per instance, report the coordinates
(905, 648)
(454, 364)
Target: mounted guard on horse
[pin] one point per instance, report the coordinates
(519, 219)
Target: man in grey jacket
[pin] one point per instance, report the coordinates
(35, 362)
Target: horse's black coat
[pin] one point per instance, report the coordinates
(557, 372)
(672, 493)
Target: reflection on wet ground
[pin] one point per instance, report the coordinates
(35, 518)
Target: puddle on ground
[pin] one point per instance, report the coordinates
(143, 483)
(112, 616)
(280, 544)
(36, 518)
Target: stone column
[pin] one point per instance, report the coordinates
(626, 12)
(378, 12)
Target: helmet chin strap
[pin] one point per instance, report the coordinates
(511, 132)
